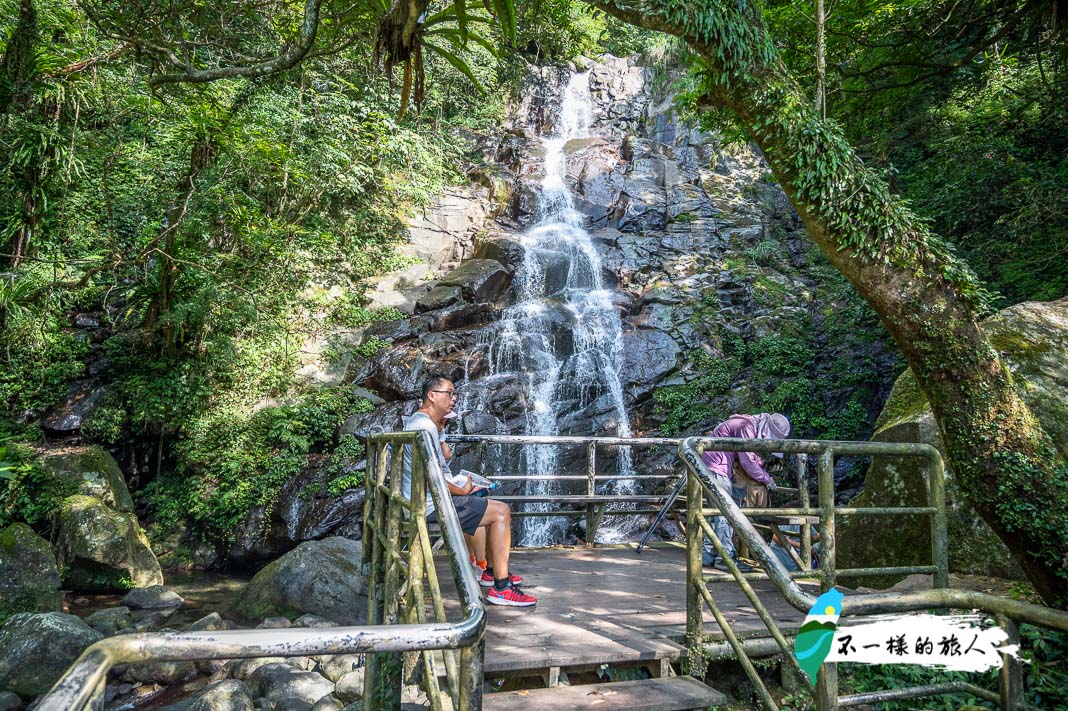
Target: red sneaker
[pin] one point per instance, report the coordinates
(511, 596)
(486, 580)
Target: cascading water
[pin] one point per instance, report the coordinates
(525, 343)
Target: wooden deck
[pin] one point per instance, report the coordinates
(607, 605)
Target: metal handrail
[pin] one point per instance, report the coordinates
(83, 683)
(593, 511)
(394, 585)
(701, 484)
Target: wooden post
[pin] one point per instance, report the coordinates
(695, 622)
(388, 667)
(806, 527)
(827, 678)
(1010, 677)
(592, 520)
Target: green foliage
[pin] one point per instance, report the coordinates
(781, 355)
(799, 370)
(766, 253)
(27, 493)
(345, 455)
(106, 424)
(371, 346)
(231, 462)
(346, 312)
(683, 406)
(39, 356)
(964, 118)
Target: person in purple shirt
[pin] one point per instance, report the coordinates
(766, 425)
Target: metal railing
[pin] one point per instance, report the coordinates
(589, 503)
(701, 485)
(394, 524)
(407, 619)
(82, 686)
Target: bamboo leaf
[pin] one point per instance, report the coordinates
(459, 64)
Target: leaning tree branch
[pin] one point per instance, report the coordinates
(89, 62)
(187, 73)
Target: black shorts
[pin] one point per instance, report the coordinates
(469, 509)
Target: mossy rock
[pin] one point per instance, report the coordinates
(323, 578)
(1033, 340)
(35, 650)
(29, 579)
(103, 549)
(90, 471)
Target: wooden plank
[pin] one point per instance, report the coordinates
(606, 605)
(663, 694)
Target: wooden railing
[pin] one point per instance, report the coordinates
(403, 583)
(399, 560)
(701, 485)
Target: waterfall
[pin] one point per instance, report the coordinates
(525, 343)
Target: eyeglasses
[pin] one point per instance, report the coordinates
(451, 393)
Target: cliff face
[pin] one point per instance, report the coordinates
(707, 259)
(719, 301)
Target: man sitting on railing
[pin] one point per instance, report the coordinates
(766, 425)
(477, 514)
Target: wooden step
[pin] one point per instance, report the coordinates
(674, 693)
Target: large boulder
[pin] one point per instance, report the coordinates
(35, 650)
(480, 280)
(319, 577)
(90, 471)
(103, 549)
(285, 686)
(29, 579)
(228, 695)
(1033, 340)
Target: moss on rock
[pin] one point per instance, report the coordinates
(92, 471)
(1033, 339)
(29, 579)
(103, 549)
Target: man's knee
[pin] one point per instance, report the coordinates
(500, 510)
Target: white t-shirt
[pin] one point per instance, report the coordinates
(414, 422)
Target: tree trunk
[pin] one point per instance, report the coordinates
(821, 60)
(200, 156)
(18, 72)
(926, 299)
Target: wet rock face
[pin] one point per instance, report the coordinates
(1033, 340)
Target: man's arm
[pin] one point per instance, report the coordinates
(460, 490)
(751, 463)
